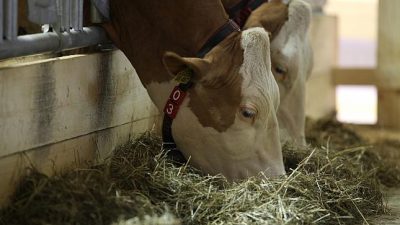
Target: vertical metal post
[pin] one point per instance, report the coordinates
(57, 25)
(1, 20)
(77, 14)
(10, 19)
(74, 14)
(65, 17)
(80, 15)
(95, 15)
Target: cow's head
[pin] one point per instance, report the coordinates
(291, 56)
(227, 124)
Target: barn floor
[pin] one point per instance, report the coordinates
(384, 141)
(139, 177)
(393, 202)
(376, 135)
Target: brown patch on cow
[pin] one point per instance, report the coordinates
(144, 31)
(216, 97)
(24, 25)
(271, 16)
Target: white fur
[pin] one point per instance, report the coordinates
(244, 149)
(257, 61)
(291, 49)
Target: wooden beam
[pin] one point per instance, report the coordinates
(58, 113)
(388, 43)
(389, 108)
(52, 100)
(324, 39)
(76, 152)
(389, 63)
(354, 76)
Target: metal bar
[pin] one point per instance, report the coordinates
(80, 15)
(74, 19)
(77, 15)
(65, 19)
(95, 15)
(10, 19)
(1, 21)
(51, 42)
(62, 18)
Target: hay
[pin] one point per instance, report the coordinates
(329, 131)
(388, 163)
(139, 185)
(383, 155)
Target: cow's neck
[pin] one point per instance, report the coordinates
(145, 30)
(230, 3)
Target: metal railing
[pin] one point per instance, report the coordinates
(9, 28)
(65, 17)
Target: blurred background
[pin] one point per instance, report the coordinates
(356, 49)
(357, 37)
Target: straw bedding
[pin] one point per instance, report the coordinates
(139, 185)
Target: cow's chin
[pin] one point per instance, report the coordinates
(237, 153)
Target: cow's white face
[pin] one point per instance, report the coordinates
(291, 55)
(227, 124)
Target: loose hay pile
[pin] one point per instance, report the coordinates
(383, 155)
(138, 185)
(329, 131)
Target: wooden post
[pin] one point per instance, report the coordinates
(324, 39)
(389, 64)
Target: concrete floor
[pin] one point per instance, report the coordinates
(376, 134)
(393, 198)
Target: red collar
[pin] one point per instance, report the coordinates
(176, 98)
(178, 94)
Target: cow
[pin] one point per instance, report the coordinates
(227, 123)
(291, 55)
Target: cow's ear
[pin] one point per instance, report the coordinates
(271, 16)
(175, 64)
(300, 12)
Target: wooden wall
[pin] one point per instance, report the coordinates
(320, 91)
(62, 112)
(389, 64)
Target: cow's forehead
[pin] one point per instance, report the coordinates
(224, 89)
(290, 48)
(256, 68)
(256, 59)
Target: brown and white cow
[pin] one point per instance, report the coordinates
(291, 56)
(227, 123)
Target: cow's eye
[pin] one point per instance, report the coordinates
(280, 72)
(248, 113)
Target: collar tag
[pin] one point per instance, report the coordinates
(184, 76)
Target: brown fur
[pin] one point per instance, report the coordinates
(218, 96)
(24, 25)
(144, 31)
(270, 15)
(230, 3)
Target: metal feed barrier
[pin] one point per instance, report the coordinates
(64, 17)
